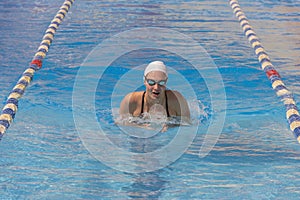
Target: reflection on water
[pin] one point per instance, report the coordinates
(146, 186)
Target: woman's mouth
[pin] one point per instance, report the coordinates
(156, 93)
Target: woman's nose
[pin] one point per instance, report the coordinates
(156, 86)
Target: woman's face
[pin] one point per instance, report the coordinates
(155, 83)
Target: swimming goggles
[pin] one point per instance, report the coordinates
(152, 82)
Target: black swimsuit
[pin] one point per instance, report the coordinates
(167, 109)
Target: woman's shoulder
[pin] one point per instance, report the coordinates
(173, 94)
(134, 96)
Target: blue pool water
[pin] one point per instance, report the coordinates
(43, 154)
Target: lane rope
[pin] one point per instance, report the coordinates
(9, 110)
(292, 113)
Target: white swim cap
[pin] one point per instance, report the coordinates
(156, 66)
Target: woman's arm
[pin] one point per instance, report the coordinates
(181, 107)
(124, 105)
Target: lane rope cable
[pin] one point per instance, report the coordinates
(11, 106)
(292, 113)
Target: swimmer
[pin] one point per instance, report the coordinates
(171, 102)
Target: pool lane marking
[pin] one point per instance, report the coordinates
(292, 113)
(9, 110)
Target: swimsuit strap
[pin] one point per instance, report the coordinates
(167, 107)
(142, 107)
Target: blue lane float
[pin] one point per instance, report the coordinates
(9, 110)
(292, 113)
